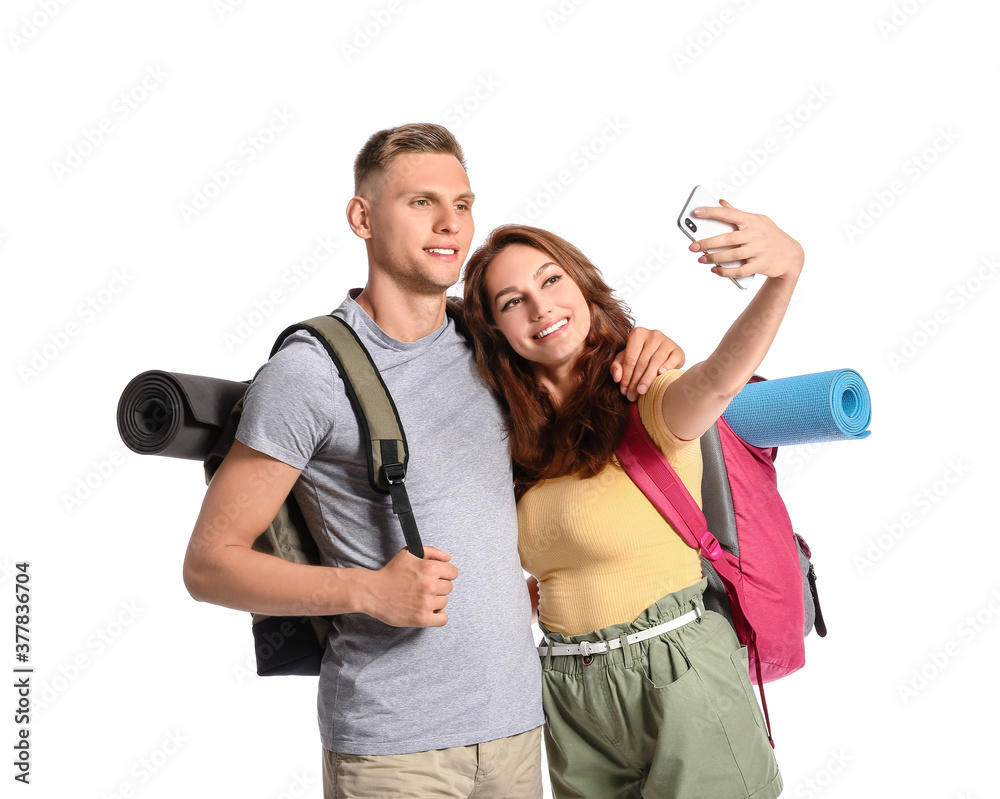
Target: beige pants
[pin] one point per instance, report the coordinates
(507, 767)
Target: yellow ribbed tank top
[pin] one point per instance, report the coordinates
(600, 551)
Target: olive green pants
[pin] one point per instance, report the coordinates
(673, 716)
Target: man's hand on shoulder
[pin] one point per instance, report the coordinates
(647, 353)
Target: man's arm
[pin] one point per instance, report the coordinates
(222, 568)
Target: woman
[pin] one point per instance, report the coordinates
(673, 714)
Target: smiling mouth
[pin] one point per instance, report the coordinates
(550, 330)
(441, 251)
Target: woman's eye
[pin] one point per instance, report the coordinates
(510, 303)
(552, 279)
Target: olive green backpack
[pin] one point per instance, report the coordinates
(295, 644)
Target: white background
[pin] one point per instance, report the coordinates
(867, 130)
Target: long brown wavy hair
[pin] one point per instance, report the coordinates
(585, 431)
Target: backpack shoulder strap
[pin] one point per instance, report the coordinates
(377, 416)
(455, 308)
(716, 493)
(656, 478)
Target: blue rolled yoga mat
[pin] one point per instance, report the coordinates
(806, 409)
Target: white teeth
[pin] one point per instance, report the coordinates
(555, 327)
(443, 252)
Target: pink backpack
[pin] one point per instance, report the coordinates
(759, 571)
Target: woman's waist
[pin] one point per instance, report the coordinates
(577, 601)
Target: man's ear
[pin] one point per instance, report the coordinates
(358, 217)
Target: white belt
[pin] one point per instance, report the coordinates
(587, 648)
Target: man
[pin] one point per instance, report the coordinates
(431, 684)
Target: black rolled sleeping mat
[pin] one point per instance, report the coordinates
(175, 415)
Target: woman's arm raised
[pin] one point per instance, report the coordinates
(693, 402)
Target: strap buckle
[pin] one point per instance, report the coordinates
(588, 648)
(394, 473)
(710, 546)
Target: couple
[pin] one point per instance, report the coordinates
(431, 685)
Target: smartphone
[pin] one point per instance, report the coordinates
(697, 229)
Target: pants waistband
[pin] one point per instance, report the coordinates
(663, 610)
(590, 648)
(673, 612)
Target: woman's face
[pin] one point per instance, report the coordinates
(537, 306)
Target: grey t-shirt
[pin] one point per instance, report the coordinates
(388, 690)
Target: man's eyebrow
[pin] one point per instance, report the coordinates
(465, 195)
(534, 276)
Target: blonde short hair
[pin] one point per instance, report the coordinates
(376, 156)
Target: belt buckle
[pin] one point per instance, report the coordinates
(590, 648)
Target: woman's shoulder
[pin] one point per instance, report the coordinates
(660, 382)
(651, 413)
(651, 402)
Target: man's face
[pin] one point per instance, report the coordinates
(420, 217)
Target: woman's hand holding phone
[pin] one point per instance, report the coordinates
(754, 246)
(764, 248)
